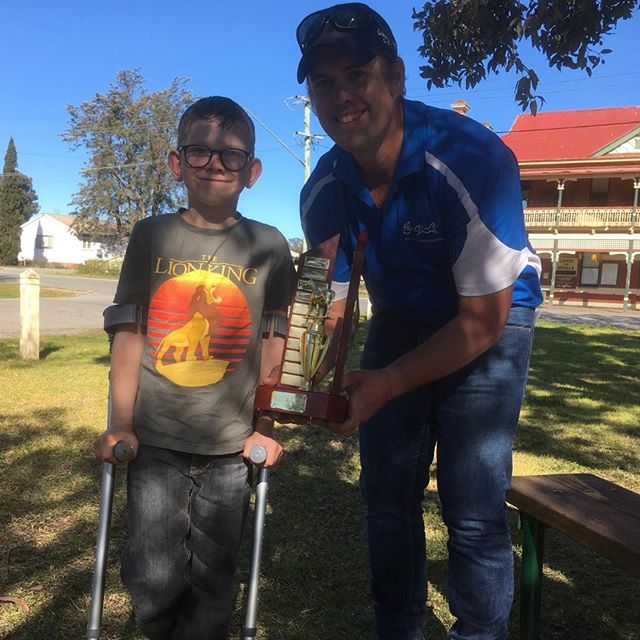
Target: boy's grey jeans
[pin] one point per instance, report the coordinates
(186, 513)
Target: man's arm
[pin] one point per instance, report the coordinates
(477, 327)
(126, 355)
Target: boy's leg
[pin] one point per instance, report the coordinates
(218, 508)
(477, 413)
(156, 558)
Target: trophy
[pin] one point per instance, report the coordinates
(311, 352)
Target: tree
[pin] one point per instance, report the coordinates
(127, 132)
(295, 244)
(18, 202)
(463, 40)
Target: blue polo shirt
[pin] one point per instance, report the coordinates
(452, 224)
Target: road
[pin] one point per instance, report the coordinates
(83, 309)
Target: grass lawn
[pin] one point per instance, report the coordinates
(582, 414)
(13, 291)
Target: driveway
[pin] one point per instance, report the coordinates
(81, 311)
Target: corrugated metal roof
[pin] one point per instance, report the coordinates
(570, 135)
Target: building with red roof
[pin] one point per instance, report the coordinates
(580, 173)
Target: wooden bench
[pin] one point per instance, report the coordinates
(595, 512)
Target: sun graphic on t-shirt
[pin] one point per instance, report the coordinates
(199, 328)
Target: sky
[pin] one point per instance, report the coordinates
(54, 54)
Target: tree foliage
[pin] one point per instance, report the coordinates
(18, 202)
(127, 132)
(296, 244)
(463, 40)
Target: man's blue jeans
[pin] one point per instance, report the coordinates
(186, 513)
(471, 416)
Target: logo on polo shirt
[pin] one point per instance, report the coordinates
(421, 232)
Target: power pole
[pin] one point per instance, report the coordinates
(308, 137)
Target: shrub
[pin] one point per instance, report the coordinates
(101, 267)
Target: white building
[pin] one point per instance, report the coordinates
(48, 237)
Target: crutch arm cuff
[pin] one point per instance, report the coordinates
(119, 314)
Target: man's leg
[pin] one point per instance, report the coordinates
(395, 456)
(477, 412)
(155, 561)
(218, 508)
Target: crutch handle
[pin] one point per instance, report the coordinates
(258, 454)
(123, 451)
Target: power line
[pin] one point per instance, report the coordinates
(572, 126)
(270, 132)
(590, 81)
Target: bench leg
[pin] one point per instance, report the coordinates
(531, 581)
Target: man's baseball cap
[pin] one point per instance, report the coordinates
(354, 28)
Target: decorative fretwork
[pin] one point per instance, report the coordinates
(578, 217)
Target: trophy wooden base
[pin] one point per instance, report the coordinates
(296, 402)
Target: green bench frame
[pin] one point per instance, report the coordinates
(597, 513)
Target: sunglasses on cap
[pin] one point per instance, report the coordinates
(351, 17)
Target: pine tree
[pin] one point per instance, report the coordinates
(18, 202)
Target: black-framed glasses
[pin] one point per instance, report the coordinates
(197, 156)
(342, 17)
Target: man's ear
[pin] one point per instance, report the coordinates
(175, 166)
(253, 172)
(399, 76)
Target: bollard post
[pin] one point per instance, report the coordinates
(29, 315)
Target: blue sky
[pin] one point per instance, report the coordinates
(59, 53)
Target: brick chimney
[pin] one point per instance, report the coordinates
(461, 107)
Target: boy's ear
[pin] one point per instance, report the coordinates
(253, 172)
(175, 166)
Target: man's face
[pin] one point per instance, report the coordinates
(213, 185)
(355, 102)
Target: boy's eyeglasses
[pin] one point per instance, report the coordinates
(343, 17)
(197, 156)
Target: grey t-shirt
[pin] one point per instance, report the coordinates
(206, 292)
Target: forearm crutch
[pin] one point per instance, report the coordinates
(257, 455)
(122, 451)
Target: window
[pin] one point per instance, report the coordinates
(590, 269)
(609, 275)
(87, 244)
(44, 242)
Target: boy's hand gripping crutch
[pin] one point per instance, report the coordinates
(257, 455)
(122, 451)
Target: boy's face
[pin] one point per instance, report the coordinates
(213, 185)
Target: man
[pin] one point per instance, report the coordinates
(454, 286)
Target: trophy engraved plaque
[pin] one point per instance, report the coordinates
(312, 352)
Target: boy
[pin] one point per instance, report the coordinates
(215, 284)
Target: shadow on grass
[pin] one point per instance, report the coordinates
(315, 577)
(10, 350)
(48, 523)
(575, 380)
